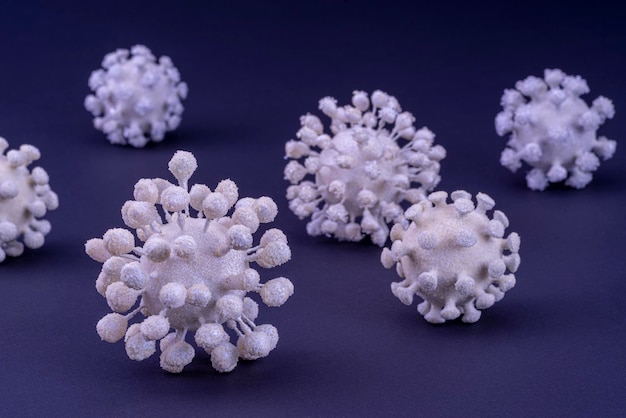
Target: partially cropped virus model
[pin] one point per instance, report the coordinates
(361, 173)
(453, 256)
(137, 99)
(192, 273)
(24, 196)
(553, 130)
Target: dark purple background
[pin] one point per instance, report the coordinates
(553, 347)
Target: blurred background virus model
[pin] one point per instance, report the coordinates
(25, 196)
(192, 273)
(136, 99)
(351, 184)
(553, 130)
(453, 256)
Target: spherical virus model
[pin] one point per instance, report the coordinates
(453, 256)
(361, 173)
(137, 99)
(553, 130)
(192, 273)
(25, 196)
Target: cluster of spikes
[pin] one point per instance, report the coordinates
(136, 99)
(554, 130)
(361, 172)
(25, 196)
(453, 256)
(192, 273)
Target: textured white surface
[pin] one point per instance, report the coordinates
(453, 256)
(25, 196)
(553, 130)
(351, 183)
(192, 273)
(136, 99)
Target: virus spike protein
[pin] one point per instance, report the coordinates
(453, 256)
(136, 99)
(361, 173)
(192, 273)
(553, 130)
(25, 196)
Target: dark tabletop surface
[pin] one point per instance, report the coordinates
(554, 346)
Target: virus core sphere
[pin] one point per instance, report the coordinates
(453, 256)
(24, 196)
(554, 131)
(192, 273)
(136, 99)
(361, 174)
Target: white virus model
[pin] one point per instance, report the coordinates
(192, 273)
(25, 196)
(453, 256)
(553, 130)
(351, 184)
(136, 99)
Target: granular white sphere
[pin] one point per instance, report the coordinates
(192, 273)
(453, 256)
(25, 197)
(352, 181)
(553, 130)
(136, 98)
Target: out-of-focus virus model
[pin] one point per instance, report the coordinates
(25, 196)
(453, 256)
(553, 130)
(361, 173)
(136, 99)
(192, 273)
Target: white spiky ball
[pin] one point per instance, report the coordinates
(136, 99)
(453, 256)
(192, 273)
(553, 130)
(25, 197)
(351, 184)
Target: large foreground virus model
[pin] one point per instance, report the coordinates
(25, 196)
(192, 273)
(361, 173)
(553, 130)
(453, 256)
(136, 99)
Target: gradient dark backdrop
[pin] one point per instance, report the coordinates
(553, 347)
